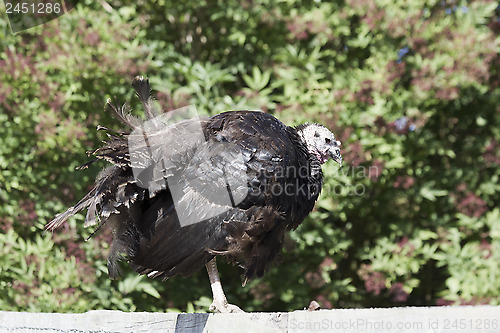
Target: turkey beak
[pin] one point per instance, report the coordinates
(334, 152)
(335, 155)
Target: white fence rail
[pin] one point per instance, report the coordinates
(410, 319)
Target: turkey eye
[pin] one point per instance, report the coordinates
(327, 140)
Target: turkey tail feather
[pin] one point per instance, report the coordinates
(114, 189)
(63, 217)
(123, 114)
(142, 90)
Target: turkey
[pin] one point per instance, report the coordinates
(179, 193)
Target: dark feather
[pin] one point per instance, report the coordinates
(142, 90)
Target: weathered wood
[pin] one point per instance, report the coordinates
(411, 319)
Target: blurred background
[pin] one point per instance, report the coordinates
(410, 87)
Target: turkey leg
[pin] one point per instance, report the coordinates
(220, 303)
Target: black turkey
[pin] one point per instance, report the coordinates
(181, 192)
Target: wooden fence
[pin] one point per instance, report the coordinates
(410, 319)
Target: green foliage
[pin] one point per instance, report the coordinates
(411, 89)
(33, 272)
